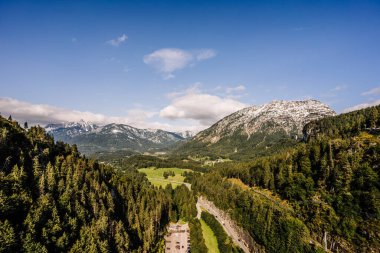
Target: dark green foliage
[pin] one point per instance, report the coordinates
(225, 243)
(345, 125)
(7, 237)
(168, 174)
(145, 161)
(116, 158)
(270, 224)
(182, 203)
(54, 200)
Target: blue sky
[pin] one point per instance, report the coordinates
(183, 64)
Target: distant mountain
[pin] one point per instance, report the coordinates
(91, 138)
(258, 129)
(186, 134)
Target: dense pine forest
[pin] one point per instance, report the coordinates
(326, 188)
(54, 200)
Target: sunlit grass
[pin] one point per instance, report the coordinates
(210, 239)
(156, 176)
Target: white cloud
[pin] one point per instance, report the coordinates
(116, 42)
(204, 108)
(372, 92)
(168, 60)
(204, 54)
(43, 114)
(239, 88)
(334, 92)
(361, 106)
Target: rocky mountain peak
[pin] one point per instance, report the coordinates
(287, 116)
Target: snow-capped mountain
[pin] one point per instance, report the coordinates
(72, 128)
(287, 116)
(91, 138)
(258, 128)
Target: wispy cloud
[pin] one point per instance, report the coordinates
(204, 54)
(239, 88)
(118, 41)
(361, 106)
(334, 92)
(168, 60)
(193, 104)
(372, 92)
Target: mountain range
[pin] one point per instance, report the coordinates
(252, 131)
(92, 138)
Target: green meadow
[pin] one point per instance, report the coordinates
(210, 239)
(156, 176)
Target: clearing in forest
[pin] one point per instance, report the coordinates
(210, 239)
(156, 176)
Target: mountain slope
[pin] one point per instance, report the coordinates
(257, 129)
(91, 138)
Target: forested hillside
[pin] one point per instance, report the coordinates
(54, 200)
(329, 186)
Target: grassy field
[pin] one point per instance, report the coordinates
(210, 239)
(156, 176)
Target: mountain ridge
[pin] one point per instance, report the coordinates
(92, 138)
(257, 128)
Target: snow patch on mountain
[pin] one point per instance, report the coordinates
(71, 130)
(288, 116)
